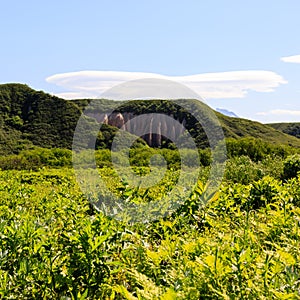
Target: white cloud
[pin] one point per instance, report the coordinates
(234, 84)
(291, 59)
(280, 112)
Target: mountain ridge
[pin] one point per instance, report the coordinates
(34, 118)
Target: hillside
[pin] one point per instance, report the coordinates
(34, 117)
(288, 128)
(29, 117)
(237, 127)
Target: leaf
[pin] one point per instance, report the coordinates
(169, 295)
(123, 291)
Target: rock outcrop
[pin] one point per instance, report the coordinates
(153, 128)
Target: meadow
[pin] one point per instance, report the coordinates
(243, 244)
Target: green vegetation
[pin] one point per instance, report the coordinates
(37, 158)
(291, 166)
(30, 117)
(237, 127)
(243, 245)
(255, 151)
(288, 128)
(107, 135)
(33, 118)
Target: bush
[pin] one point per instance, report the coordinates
(262, 192)
(36, 158)
(256, 149)
(242, 170)
(291, 166)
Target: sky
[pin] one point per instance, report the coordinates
(243, 56)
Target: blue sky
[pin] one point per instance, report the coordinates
(240, 53)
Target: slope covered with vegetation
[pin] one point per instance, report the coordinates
(29, 117)
(288, 128)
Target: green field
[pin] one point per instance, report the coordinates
(244, 244)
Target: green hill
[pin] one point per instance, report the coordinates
(34, 117)
(29, 117)
(288, 128)
(237, 127)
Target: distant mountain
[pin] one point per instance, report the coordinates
(29, 117)
(226, 112)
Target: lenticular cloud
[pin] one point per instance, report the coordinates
(235, 84)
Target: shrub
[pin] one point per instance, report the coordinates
(256, 149)
(291, 166)
(35, 158)
(262, 192)
(243, 170)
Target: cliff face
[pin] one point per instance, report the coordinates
(153, 128)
